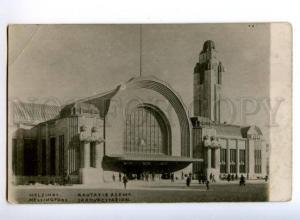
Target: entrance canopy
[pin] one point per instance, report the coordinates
(157, 163)
(153, 157)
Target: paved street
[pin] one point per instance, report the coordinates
(140, 191)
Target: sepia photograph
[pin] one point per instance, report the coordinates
(140, 113)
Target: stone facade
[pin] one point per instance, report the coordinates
(140, 127)
(226, 149)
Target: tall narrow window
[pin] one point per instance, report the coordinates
(232, 160)
(61, 154)
(52, 157)
(30, 157)
(242, 161)
(44, 158)
(93, 154)
(257, 161)
(223, 160)
(213, 158)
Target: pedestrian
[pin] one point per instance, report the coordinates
(125, 180)
(266, 178)
(120, 177)
(188, 181)
(210, 176)
(207, 185)
(213, 179)
(172, 177)
(66, 179)
(113, 177)
(204, 179)
(199, 178)
(242, 180)
(228, 177)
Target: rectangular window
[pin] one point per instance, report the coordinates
(232, 168)
(213, 158)
(257, 161)
(223, 160)
(93, 154)
(52, 156)
(242, 161)
(44, 158)
(232, 160)
(61, 154)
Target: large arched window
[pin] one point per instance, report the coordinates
(147, 131)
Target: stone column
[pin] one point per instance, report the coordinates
(99, 158)
(91, 175)
(217, 158)
(208, 158)
(86, 149)
(237, 159)
(88, 174)
(99, 154)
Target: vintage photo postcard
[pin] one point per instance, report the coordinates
(135, 113)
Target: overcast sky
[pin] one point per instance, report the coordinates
(76, 61)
